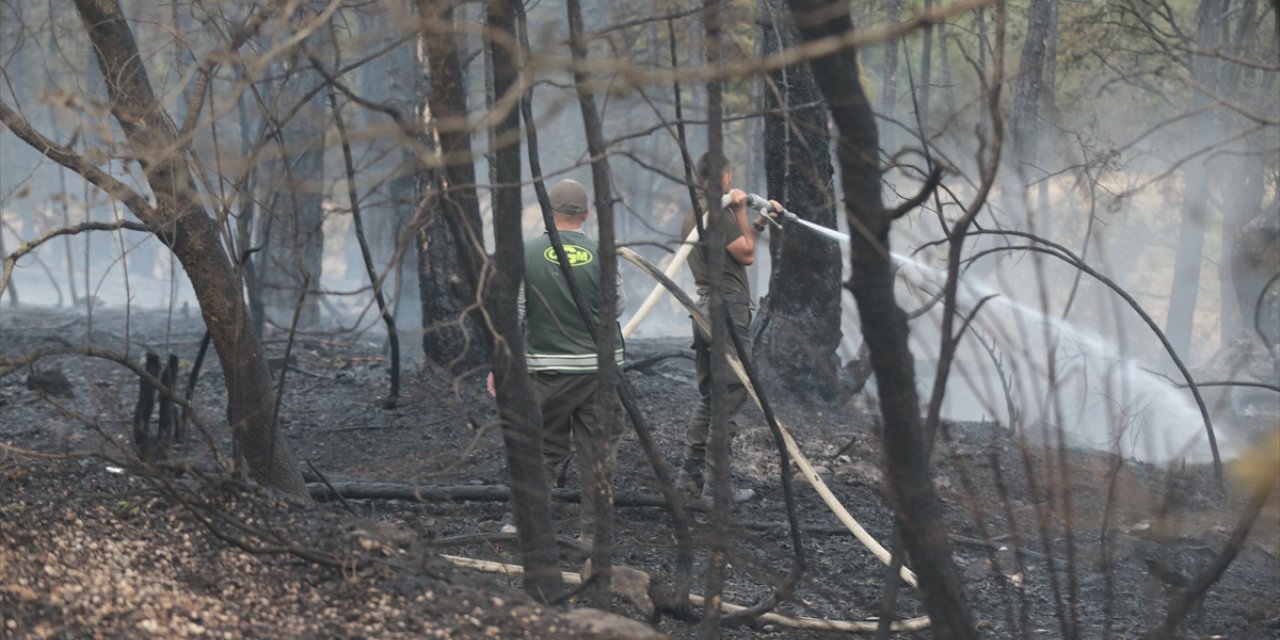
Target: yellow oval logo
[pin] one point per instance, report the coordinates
(578, 256)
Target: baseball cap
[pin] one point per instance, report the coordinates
(569, 196)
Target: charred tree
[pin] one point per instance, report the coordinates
(924, 93)
(884, 325)
(144, 441)
(517, 407)
(608, 411)
(719, 440)
(246, 264)
(180, 221)
(798, 330)
(450, 243)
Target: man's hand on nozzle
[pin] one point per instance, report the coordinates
(768, 215)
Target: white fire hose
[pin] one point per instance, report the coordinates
(806, 469)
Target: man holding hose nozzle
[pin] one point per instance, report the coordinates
(740, 234)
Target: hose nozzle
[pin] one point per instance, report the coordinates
(761, 204)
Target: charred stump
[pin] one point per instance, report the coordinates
(154, 444)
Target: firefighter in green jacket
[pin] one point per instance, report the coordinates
(559, 349)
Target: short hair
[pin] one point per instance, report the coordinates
(704, 166)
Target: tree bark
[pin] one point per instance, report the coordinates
(608, 411)
(181, 222)
(884, 325)
(453, 266)
(718, 441)
(798, 331)
(926, 75)
(517, 408)
(1033, 74)
(889, 81)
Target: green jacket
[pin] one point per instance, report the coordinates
(555, 337)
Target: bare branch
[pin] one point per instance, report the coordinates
(75, 162)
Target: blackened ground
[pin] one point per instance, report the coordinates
(90, 545)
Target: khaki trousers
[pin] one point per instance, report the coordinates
(699, 429)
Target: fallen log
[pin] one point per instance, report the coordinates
(355, 490)
(366, 490)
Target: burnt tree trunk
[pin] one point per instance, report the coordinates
(247, 263)
(798, 330)
(450, 243)
(144, 442)
(925, 90)
(517, 407)
(608, 411)
(180, 221)
(884, 325)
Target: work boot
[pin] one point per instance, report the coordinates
(740, 494)
(691, 473)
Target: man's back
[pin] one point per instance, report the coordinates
(556, 336)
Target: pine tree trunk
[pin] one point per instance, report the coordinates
(517, 407)
(609, 411)
(450, 243)
(798, 330)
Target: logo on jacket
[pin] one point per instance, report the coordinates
(578, 256)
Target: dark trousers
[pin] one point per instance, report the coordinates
(568, 404)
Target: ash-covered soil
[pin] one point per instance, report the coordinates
(1049, 543)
